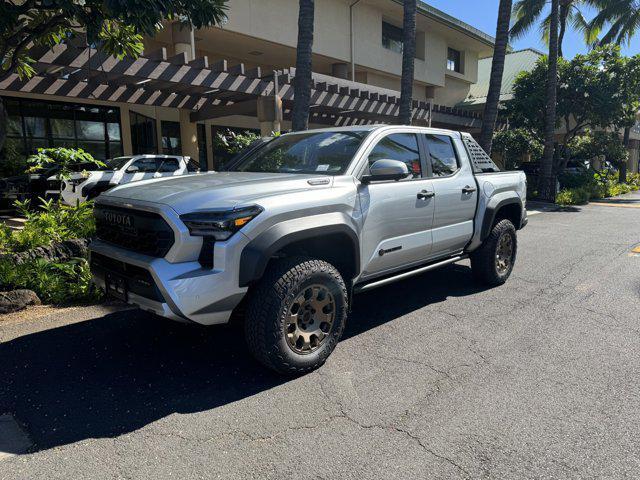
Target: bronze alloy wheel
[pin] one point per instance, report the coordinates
(504, 254)
(310, 319)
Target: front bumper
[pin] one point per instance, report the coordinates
(183, 291)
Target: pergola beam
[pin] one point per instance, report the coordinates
(209, 111)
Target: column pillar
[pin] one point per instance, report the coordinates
(269, 115)
(209, 138)
(125, 130)
(183, 40)
(188, 135)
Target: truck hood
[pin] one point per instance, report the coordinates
(214, 190)
(93, 175)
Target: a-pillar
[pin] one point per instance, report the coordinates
(269, 115)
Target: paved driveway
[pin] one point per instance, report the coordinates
(435, 378)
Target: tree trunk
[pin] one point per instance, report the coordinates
(622, 171)
(408, 58)
(4, 119)
(497, 69)
(547, 189)
(302, 80)
(564, 13)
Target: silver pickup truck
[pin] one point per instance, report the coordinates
(299, 224)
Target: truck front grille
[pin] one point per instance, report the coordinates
(135, 230)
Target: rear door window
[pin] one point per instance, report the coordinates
(146, 165)
(442, 155)
(169, 165)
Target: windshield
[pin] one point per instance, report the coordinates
(327, 153)
(117, 163)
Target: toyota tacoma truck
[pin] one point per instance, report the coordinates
(293, 229)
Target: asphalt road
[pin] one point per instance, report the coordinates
(435, 378)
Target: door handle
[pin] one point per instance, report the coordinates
(424, 194)
(468, 189)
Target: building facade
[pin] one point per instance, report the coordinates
(357, 55)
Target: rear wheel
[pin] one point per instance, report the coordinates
(493, 262)
(296, 314)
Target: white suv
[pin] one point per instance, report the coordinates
(86, 185)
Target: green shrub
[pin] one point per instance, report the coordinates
(514, 144)
(573, 196)
(593, 144)
(577, 180)
(54, 222)
(233, 142)
(56, 283)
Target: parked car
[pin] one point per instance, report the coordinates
(297, 227)
(87, 185)
(32, 186)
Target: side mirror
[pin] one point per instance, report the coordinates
(386, 169)
(132, 169)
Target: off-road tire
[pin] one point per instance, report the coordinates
(268, 307)
(483, 261)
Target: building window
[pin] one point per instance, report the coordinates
(171, 138)
(37, 124)
(454, 61)
(143, 134)
(391, 37)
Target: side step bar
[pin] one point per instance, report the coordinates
(401, 276)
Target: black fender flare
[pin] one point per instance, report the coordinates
(490, 215)
(256, 254)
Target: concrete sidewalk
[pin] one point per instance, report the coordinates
(629, 200)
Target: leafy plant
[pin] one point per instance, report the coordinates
(514, 144)
(65, 158)
(592, 144)
(573, 196)
(55, 283)
(233, 142)
(588, 96)
(53, 222)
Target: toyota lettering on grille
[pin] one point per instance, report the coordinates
(120, 220)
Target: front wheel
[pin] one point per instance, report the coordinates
(493, 262)
(296, 314)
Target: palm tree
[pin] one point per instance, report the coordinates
(302, 80)
(547, 185)
(529, 12)
(621, 16)
(623, 19)
(497, 70)
(408, 56)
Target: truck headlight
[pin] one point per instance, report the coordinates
(220, 225)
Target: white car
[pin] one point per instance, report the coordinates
(87, 185)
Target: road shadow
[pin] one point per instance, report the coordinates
(112, 375)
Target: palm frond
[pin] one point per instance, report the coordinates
(526, 14)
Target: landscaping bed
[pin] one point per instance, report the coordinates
(579, 189)
(47, 257)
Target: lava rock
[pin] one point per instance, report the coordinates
(16, 300)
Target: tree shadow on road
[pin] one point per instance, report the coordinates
(115, 374)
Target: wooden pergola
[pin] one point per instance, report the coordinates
(213, 90)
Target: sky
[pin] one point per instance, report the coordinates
(483, 15)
